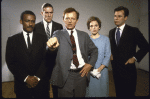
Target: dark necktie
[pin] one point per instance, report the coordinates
(48, 31)
(28, 40)
(118, 36)
(75, 59)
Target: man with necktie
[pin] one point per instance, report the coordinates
(25, 58)
(71, 71)
(124, 39)
(47, 27)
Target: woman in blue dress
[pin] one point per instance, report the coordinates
(99, 87)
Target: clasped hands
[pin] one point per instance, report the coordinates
(32, 81)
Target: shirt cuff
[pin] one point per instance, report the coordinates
(135, 58)
(26, 78)
(38, 78)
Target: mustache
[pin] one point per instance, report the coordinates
(30, 27)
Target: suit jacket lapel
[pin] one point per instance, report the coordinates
(53, 28)
(34, 42)
(79, 39)
(22, 42)
(113, 38)
(66, 34)
(124, 33)
(42, 27)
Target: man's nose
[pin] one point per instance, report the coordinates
(49, 14)
(70, 20)
(31, 23)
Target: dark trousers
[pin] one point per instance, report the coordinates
(40, 91)
(75, 86)
(125, 77)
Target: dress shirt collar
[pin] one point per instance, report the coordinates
(69, 31)
(45, 23)
(121, 27)
(25, 36)
(25, 33)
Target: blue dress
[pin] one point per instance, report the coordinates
(100, 87)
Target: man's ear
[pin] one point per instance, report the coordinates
(20, 21)
(126, 18)
(42, 13)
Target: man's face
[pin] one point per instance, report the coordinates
(28, 22)
(119, 18)
(47, 14)
(70, 20)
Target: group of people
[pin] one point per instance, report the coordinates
(73, 62)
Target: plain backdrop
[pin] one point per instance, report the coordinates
(103, 9)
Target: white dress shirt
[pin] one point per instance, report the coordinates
(78, 52)
(25, 37)
(50, 26)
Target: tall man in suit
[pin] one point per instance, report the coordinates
(46, 27)
(73, 47)
(124, 40)
(25, 58)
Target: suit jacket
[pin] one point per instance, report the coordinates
(131, 37)
(21, 63)
(50, 57)
(65, 55)
(39, 28)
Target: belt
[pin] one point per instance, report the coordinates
(75, 70)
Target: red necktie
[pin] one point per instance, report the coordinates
(75, 59)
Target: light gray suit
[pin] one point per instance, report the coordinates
(64, 55)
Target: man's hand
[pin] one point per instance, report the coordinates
(52, 43)
(85, 69)
(31, 81)
(130, 61)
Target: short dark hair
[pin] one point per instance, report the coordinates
(93, 18)
(46, 5)
(26, 12)
(68, 10)
(126, 11)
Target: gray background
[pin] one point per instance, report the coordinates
(104, 9)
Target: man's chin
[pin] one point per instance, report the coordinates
(70, 28)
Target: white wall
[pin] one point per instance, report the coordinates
(104, 9)
(144, 28)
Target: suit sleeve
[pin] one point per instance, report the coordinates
(142, 44)
(92, 51)
(12, 62)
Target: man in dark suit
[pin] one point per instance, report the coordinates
(25, 58)
(46, 27)
(73, 47)
(124, 40)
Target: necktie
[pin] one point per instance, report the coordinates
(75, 60)
(28, 40)
(118, 36)
(48, 31)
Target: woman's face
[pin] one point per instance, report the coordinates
(94, 27)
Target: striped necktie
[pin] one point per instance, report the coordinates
(75, 59)
(48, 31)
